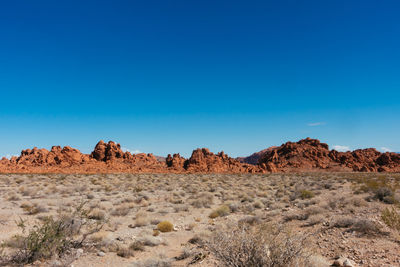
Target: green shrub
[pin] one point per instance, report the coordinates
(54, 236)
(306, 194)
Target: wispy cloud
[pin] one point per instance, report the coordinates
(341, 148)
(132, 151)
(313, 124)
(385, 149)
(9, 156)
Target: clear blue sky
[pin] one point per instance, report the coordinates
(171, 76)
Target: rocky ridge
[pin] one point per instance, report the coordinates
(312, 155)
(306, 155)
(110, 158)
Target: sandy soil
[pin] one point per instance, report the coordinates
(339, 213)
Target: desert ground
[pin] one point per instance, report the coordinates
(306, 219)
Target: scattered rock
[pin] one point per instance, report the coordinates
(79, 252)
(343, 262)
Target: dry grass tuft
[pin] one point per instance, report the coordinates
(165, 226)
(391, 218)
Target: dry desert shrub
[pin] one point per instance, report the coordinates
(203, 200)
(124, 252)
(33, 209)
(165, 226)
(251, 220)
(141, 219)
(53, 237)
(149, 240)
(97, 214)
(385, 194)
(13, 197)
(99, 237)
(180, 208)
(122, 210)
(367, 227)
(314, 220)
(391, 218)
(186, 253)
(361, 226)
(258, 204)
(344, 222)
(220, 212)
(357, 202)
(137, 246)
(262, 245)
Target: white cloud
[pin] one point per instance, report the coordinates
(8, 156)
(385, 149)
(132, 151)
(313, 124)
(341, 148)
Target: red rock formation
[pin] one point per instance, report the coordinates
(312, 155)
(56, 156)
(305, 155)
(202, 160)
(176, 162)
(106, 152)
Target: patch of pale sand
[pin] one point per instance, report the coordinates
(110, 259)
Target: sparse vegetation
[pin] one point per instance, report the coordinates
(264, 245)
(54, 236)
(220, 212)
(306, 194)
(136, 206)
(391, 217)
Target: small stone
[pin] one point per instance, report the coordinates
(348, 263)
(101, 254)
(57, 263)
(337, 263)
(79, 252)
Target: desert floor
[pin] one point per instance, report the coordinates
(341, 215)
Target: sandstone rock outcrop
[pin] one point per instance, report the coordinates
(302, 156)
(312, 155)
(35, 157)
(202, 160)
(176, 162)
(107, 151)
(110, 158)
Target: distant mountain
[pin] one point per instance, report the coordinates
(255, 157)
(160, 158)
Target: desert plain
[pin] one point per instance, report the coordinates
(301, 204)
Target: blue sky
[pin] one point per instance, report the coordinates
(171, 76)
